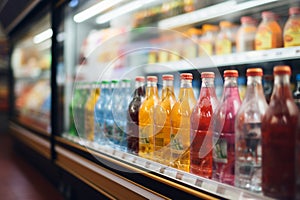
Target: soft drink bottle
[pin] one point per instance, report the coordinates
(223, 130)
(89, 111)
(248, 133)
(133, 116)
(201, 138)
(99, 113)
(180, 124)
(162, 122)
(279, 132)
(146, 123)
(72, 107)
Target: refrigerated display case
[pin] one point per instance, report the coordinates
(116, 40)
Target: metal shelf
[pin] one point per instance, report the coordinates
(215, 61)
(207, 185)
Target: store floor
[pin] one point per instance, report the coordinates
(19, 179)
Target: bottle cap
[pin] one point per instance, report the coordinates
(268, 14)
(254, 72)
(152, 78)
(247, 20)
(294, 11)
(126, 80)
(207, 75)
(140, 78)
(298, 77)
(186, 76)
(114, 81)
(282, 69)
(105, 82)
(231, 73)
(168, 77)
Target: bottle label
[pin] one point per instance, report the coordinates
(146, 139)
(263, 39)
(223, 46)
(292, 36)
(223, 147)
(89, 124)
(205, 49)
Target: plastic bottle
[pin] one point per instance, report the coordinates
(280, 129)
(133, 116)
(146, 123)
(291, 31)
(246, 34)
(180, 124)
(162, 122)
(201, 138)
(297, 91)
(269, 33)
(207, 40)
(99, 113)
(225, 41)
(223, 130)
(72, 107)
(89, 110)
(248, 133)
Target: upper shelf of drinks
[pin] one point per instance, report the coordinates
(271, 37)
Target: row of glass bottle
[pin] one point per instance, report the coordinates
(214, 140)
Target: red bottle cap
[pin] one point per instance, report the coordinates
(140, 78)
(247, 20)
(186, 76)
(268, 14)
(207, 75)
(152, 78)
(282, 70)
(254, 72)
(168, 77)
(294, 11)
(231, 73)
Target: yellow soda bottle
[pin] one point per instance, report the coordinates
(162, 122)
(180, 124)
(146, 140)
(89, 111)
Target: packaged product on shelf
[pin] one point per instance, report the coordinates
(223, 130)
(133, 116)
(296, 93)
(269, 33)
(146, 122)
(268, 81)
(201, 138)
(226, 38)
(190, 43)
(242, 86)
(248, 133)
(180, 123)
(89, 110)
(175, 46)
(99, 113)
(72, 106)
(162, 122)
(163, 53)
(246, 34)
(291, 31)
(207, 40)
(280, 129)
(121, 98)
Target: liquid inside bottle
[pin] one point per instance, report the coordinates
(162, 122)
(279, 130)
(248, 134)
(133, 116)
(146, 122)
(223, 130)
(180, 123)
(72, 107)
(201, 138)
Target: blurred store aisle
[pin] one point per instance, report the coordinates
(20, 180)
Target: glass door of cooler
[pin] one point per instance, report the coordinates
(107, 42)
(31, 65)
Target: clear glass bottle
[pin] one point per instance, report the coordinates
(291, 31)
(280, 129)
(133, 116)
(226, 38)
(201, 138)
(162, 122)
(180, 124)
(224, 131)
(246, 34)
(248, 133)
(146, 122)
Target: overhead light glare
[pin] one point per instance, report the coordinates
(94, 10)
(42, 36)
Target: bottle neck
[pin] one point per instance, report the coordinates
(151, 89)
(186, 84)
(230, 82)
(281, 87)
(167, 83)
(254, 87)
(208, 83)
(139, 89)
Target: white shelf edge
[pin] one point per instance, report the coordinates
(215, 61)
